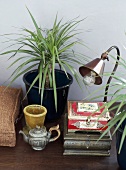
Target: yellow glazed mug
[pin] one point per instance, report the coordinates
(34, 115)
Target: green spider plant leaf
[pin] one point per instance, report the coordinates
(54, 81)
(36, 26)
(43, 81)
(32, 84)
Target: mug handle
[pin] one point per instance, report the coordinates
(58, 131)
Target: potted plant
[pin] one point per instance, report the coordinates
(44, 50)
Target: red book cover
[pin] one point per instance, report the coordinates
(86, 116)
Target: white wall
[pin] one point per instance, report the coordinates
(105, 26)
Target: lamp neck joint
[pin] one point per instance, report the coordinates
(104, 56)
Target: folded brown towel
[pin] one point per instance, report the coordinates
(10, 101)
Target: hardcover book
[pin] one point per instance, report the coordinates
(87, 116)
(85, 142)
(86, 153)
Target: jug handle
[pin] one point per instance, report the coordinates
(58, 131)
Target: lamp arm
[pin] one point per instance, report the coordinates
(104, 56)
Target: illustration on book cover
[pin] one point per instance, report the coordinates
(83, 116)
(87, 107)
(77, 109)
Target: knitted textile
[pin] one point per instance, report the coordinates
(10, 100)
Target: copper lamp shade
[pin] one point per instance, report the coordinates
(97, 66)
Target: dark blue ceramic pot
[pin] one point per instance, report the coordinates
(121, 158)
(62, 83)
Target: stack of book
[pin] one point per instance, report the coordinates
(82, 130)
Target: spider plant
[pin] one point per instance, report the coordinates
(44, 49)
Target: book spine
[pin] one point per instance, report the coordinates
(88, 144)
(87, 153)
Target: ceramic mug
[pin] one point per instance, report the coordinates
(34, 115)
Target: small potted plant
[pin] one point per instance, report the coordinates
(44, 50)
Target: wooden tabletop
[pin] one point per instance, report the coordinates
(23, 157)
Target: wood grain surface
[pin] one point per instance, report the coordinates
(23, 157)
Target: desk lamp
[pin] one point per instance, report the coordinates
(92, 72)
